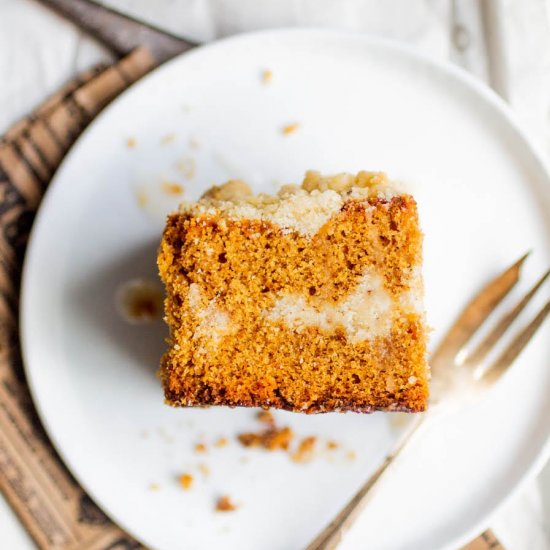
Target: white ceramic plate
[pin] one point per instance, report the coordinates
(360, 104)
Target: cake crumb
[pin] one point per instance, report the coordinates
(221, 442)
(187, 167)
(141, 198)
(351, 456)
(271, 439)
(204, 469)
(139, 301)
(304, 453)
(168, 138)
(171, 188)
(154, 487)
(290, 128)
(266, 417)
(225, 504)
(267, 76)
(131, 143)
(332, 445)
(186, 481)
(200, 448)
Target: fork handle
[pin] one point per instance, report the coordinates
(331, 536)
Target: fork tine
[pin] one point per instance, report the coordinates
(474, 314)
(501, 364)
(476, 357)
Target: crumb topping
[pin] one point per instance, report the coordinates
(304, 209)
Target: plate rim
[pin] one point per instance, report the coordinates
(412, 54)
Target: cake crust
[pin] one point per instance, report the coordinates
(264, 313)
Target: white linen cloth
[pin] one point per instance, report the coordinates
(506, 43)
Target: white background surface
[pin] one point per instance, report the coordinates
(38, 52)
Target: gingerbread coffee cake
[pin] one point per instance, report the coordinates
(310, 300)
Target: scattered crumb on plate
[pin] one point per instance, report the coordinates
(139, 301)
(186, 481)
(131, 143)
(351, 455)
(154, 487)
(304, 453)
(168, 138)
(171, 188)
(265, 417)
(271, 439)
(200, 448)
(267, 76)
(141, 198)
(187, 167)
(221, 442)
(290, 128)
(332, 445)
(204, 469)
(225, 504)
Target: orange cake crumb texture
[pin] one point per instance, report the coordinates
(275, 438)
(200, 448)
(304, 453)
(172, 188)
(221, 442)
(225, 504)
(265, 417)
(242, 266)
(186, 481)
(290, 128)
(272, 438)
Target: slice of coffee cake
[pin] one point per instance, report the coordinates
(310, 300)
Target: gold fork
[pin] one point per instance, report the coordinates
(458, 376)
